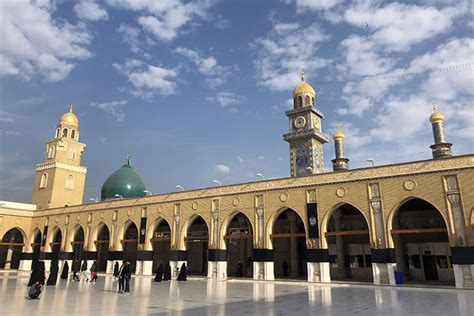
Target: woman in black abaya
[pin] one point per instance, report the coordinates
(53, 275)
(159, 273)
(183, 273)
(167, 273)
(65, 272)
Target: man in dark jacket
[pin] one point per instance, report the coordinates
(126, 275)
(121, 279)
(76, 267)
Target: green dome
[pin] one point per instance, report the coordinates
(123, 183)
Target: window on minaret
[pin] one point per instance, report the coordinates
(73, 134)
(57, 133)
(65, 132)
(51, 152)
(312, 101)
(44, 180)
(306, 100)
(70, 182)
(300, 102)
(72, 154)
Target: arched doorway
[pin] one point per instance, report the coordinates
(78, 244)
(36, 245)
(102, 245)
(239, 245)
(161, 242)
(349, 245)
(56, 245)
(197, 239)
(130, 245)
(289, 245)
(421, 243)
(11, 248)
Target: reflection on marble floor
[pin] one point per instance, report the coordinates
(212, 297)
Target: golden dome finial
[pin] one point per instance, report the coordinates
(302, 74)
(338, 135)
(69, 118)
(436, 116)
(303, 87)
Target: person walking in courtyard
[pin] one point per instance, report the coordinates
(121, 280)
(76, 267)
(35, 273)
(127, 275)
(94, 272)
(159, 273)
(240, 268)
(65, 272)
(116, 270)
(84, 271)
(167, 272)
(183, 273)
(35, 291)
(53, 273)
(285, 269)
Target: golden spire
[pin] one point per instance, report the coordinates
(436, 116)
(70, 108)
(302, 74)
(338, 135)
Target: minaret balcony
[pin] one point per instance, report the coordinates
(312, 133)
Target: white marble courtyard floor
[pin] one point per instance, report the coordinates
(244, 297)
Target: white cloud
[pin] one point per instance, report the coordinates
(89, 10)
(164, 18)
(398, 26)
(34, 43)
(114, 108)
(286, 50)
(147, 79)
(226, 99)
(223, 169)
(315, 5)
(131, 36)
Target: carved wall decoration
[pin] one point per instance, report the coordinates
(311, 196)
(409, 185)
(18, 221)
(341, 192)
(236, 201)
(160, 209)
(129, 212)
(102, 215)
(78, 218)
(284, 197)
(56, 220)
(195, 206)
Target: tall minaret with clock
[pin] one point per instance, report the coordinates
(305, 137)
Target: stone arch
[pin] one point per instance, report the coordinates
(151, 229)
(225, 225)
(35, 243)
(51, 236)
(101, 245)
(197, 244)
(347, 237)
(271, 221)
(324, 223)
(184, 229)
(95, 234)
(129, 243)
(11, 248)
(121, 233)
(70, 238)
(419, 233)
(57, 238)
(396, 208)
(77, 241)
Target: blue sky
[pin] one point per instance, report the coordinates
(197, 90)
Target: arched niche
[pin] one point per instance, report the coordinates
(160, 240)
(197, 240)
(130, 245)
(11, 247)
(102, 243)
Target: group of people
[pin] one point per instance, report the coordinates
(164, 273)
(123, 274)
(38, 275)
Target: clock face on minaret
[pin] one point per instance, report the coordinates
(305, 135)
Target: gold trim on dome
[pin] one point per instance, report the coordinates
(69, 118)
(338, 135)
(436, 117)
(303, 87)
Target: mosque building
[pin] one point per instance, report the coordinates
(350, 224)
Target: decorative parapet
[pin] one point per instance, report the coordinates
(55, 164)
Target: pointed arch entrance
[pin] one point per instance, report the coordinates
(130, 245)
(421, 242)
(197, 240)
(289, 245)
(239, 244)
(56, 245)
(10, 249)
(348, 241)
(102, 245)
(161, 243)
(78, 244)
